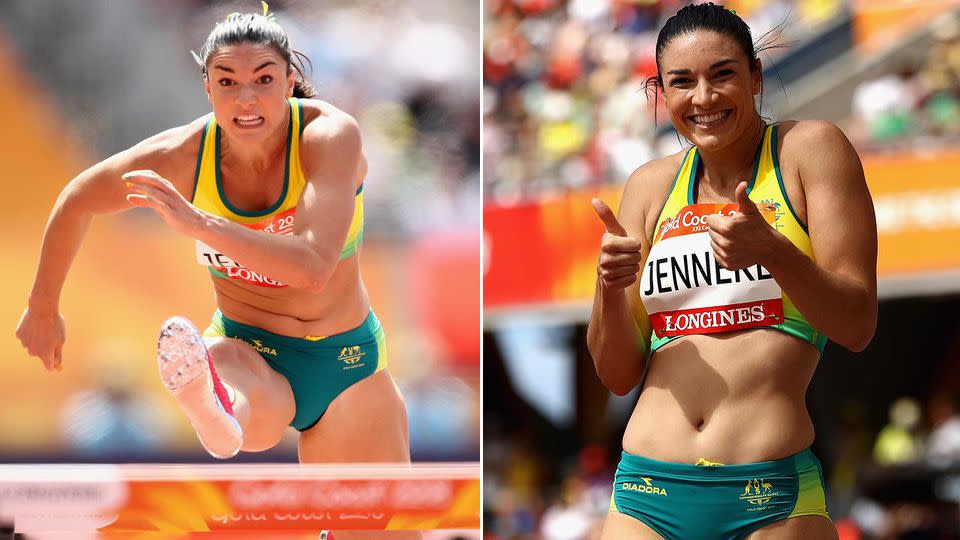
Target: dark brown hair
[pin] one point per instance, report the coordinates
(255, 28)
(715, 18)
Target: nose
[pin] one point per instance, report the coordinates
(703, 94)
(246, 95)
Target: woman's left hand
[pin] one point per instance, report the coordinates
(744, 238)
(148, 189)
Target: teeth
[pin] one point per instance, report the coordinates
(709, 118)
(248, 118)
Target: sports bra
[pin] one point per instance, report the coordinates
(684, 289)
(208, 195)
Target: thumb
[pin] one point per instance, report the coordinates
(608, 218)
(744, 204)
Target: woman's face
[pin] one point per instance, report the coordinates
(248, 85)
(709, 85)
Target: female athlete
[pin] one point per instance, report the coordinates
(736, 259)
(270, 186)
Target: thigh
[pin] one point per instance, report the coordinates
(241, 364)
(801, 527)
(365, 423)
(618, 526)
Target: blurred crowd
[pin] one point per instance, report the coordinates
(915, 103)
(528, 496)
(564, 99)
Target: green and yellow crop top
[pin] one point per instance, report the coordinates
(685, 290)
(209, 196)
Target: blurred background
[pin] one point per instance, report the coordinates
(88, 79)
(566, 118)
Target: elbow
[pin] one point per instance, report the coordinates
(620, 389)
(313, 286)
(860, 340)
(617, 383)
(861, 334)
(315, 276)
(314, 282)
(69, 205)
(620, 386)
(618, 380)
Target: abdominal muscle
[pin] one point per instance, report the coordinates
(342, 305)
(729, 398)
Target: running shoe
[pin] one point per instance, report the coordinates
(187, 370)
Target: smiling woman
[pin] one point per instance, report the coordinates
(727, 321)
(270, 185)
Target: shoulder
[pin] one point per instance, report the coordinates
(657, 174)
(647, 188)
(818, 151)
(651, 182)
(330, 136)
(325, 123)
(802, 136)
(177, 142)
(171, 153)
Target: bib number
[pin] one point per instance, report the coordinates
(686, 291)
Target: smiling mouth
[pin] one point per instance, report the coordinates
(248, 121)
(710, 120)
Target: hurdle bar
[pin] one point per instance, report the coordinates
(167, 498)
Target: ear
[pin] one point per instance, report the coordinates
(206, 88)
(291, 81)
(757, 75)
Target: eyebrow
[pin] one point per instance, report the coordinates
(261, 66)
(686, 71)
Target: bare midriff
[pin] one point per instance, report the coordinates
(728, 398)
(342, 305)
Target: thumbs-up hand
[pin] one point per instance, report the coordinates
(743, 239)
(619, 260)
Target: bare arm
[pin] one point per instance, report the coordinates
(837, 290)
(837, 293)
(97, 190)
(619, 331)
(332, 160)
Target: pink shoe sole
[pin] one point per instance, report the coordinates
(183, 359)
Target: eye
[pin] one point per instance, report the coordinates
(679, 81)
(266, 79)
(724, 72)
(225, 82)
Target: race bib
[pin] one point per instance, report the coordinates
(686, 291)
(224, 266)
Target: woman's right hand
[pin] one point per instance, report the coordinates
(620, 255)
(42, 333)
